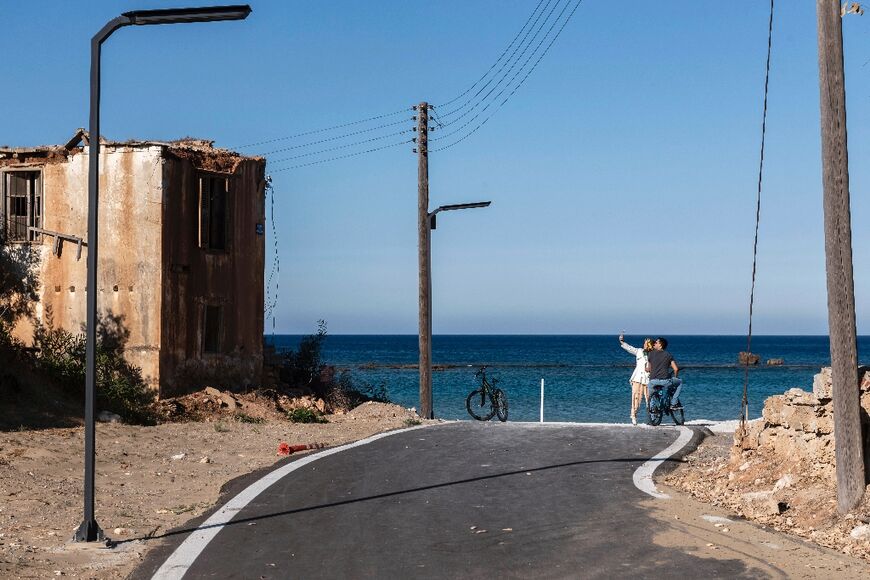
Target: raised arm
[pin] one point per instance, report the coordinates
(628, 347)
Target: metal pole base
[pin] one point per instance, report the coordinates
(89, 531)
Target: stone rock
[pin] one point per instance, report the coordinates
(748, 358)
(864, 373)
(785, 481)
(801, 397)
(228, 401)
(108, 417)
(212, 392)
(320, 405)
(822, 384)
(772, 410)
(762, 503)
(861, 532)
(775, 362)
(178, 456)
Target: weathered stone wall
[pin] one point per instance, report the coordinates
(799, 425)
(129, 270)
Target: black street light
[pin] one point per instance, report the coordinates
(454, 206)
(427, 410)
(89, 530)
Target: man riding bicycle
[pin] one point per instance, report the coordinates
(663, 371)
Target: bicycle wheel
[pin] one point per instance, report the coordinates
(655, 409)
(479, 405)
(679, 417)
(501, 404)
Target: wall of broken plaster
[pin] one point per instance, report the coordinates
(196, 276)
(129, 249)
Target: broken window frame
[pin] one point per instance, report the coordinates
(27, 231)
(212, 329)
(209, 212)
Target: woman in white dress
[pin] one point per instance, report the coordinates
(640, 376)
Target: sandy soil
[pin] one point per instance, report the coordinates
(712, 532)
(148, 481)
(774, 492)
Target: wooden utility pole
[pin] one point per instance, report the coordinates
(838, 259)
(424, 248)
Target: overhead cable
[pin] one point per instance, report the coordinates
(315, 131)
(522, 81)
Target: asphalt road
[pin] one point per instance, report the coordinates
(459, 500)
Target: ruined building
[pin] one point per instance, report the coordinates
(181, 251)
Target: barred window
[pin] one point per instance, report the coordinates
(22, 204)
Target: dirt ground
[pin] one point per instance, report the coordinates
(148, 481)
(775, 492)
(706, 531)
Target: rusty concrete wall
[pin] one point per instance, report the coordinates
(195, 277)
(130, 272)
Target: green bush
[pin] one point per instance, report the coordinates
(302, 367)
(120, 387)
(305, 415)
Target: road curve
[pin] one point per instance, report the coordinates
(465, 499)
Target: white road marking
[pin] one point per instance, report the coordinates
(643, 475)
(182, 558)
(178, 563)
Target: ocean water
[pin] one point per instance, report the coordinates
(585, 377)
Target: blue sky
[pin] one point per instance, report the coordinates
(622, 173)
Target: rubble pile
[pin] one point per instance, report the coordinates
(781, 471)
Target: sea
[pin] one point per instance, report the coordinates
(585, 376)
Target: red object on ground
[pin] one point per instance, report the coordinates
(285, 449)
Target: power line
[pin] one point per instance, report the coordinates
(469, 89)
(522, 81)
(339, 147)
(344, 156)
(745, 400)
(315, 131)
(512, 66)
(338, 137)
(272, 302)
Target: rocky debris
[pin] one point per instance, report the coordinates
(748, 358)
(775, 362)
(860, 533)
(780, 469)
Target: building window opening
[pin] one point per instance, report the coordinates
(213, 205)
(211, 335)
(22, 205)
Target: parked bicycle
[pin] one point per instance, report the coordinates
(660, 405)
(487, 401)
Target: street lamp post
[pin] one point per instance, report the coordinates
(89, 530)
(427, 410)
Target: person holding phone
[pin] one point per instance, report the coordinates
(639, 376)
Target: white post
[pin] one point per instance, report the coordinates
(542, 400)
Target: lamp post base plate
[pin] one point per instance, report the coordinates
(89, 531)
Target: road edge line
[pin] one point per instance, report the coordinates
(183, 557)
(642, 477)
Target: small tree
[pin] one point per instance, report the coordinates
(302, 368)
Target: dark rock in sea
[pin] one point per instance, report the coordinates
(748, 358)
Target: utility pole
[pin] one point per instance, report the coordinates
(838, 259)
(424, 249)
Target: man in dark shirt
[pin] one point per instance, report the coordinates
(663, 370)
